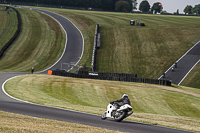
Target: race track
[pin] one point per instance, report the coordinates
(73, 52)
(184, 65)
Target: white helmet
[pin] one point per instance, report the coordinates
(125, 95)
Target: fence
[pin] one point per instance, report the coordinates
(111, 76)
(8, 44)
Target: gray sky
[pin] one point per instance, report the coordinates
(172, 5)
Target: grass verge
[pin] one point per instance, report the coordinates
(14, 123)
(193, 77)
(160, 105)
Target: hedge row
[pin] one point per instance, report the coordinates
(8, 44)
(111, 76)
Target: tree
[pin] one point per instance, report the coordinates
(177, 12)
(144, 6)
(134, 4)
(157, 7)
(188, 9)
(196, 9)
(122, 6)
(108, 5)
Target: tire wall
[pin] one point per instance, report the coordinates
(111, 76)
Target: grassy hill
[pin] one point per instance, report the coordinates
(176, 107)
(147, 51)
(8, 26)
(40, 44)
(5, 17)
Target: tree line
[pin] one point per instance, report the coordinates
(106, 5)
(157, 8)
(145, 7)
(192, 10)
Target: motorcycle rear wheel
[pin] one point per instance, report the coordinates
(103, 116)
(121, 116)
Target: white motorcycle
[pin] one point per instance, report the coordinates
(116, 112)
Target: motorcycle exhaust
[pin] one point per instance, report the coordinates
(129, 114)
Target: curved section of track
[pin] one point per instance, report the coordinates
(74, 41)
(73, 52)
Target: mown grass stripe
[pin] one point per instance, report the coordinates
(151, 103)
(11, 29)
(40, 44)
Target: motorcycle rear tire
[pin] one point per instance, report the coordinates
(121, 117)
(103, 116)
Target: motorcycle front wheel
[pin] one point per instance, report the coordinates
(119, 116)
(103, 116)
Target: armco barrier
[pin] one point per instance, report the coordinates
(93, 63)
(111, 76)
(8, 44)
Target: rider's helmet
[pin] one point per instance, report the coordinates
(125, 95)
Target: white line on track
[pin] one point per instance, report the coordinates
(3, 88)
(179, 60)
(66, 39)
(188, 73)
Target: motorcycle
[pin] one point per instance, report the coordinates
(116, 112)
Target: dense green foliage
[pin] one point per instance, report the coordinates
(157, 7)
(144, 6)
(188, 9)
(108, 5)
(196, 9)
(192, 10)
(122, 6)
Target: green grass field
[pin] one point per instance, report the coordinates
(14, 123)
(147, 51)
(8, 26)
(4, 20)
(176, 107)
(39, 45)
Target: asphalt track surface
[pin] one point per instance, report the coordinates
(184, 65)
(72, 53)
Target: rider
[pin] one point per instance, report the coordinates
(124, 100)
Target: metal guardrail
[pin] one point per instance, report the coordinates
(96, 40)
